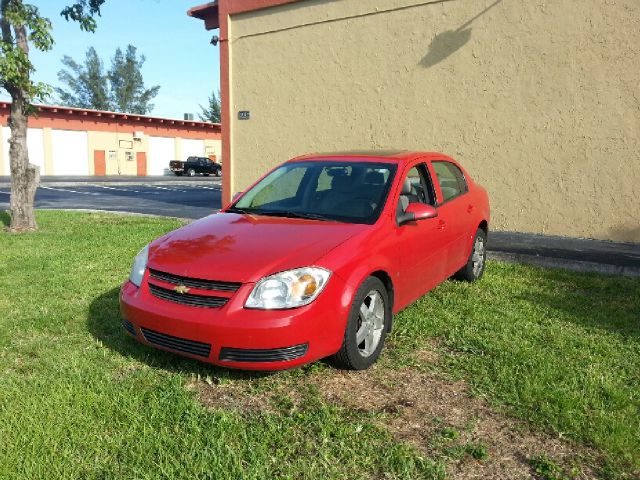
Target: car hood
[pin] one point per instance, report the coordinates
(244, 248)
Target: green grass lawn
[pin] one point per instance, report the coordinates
(78, 399)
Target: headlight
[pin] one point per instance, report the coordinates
(289, 289)
(139, 266)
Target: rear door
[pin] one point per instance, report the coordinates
(454, 211)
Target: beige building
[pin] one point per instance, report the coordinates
(75, 141)
(538, 99)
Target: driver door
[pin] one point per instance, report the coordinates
(421, 244)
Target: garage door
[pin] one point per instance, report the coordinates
(35, 146)
(192, 147)
(70, 155)
(161, 151)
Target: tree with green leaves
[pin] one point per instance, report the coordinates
(121, 89)
(128, 93)
(87, 85)
(211, 113)
(21, 25)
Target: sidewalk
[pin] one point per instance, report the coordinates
(569, 253)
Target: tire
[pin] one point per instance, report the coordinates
(191, 172)
(218, 173)
(474, 269)
(359, 356)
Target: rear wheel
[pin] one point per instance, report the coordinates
(367, 326)
(191, 172)
(474, 269)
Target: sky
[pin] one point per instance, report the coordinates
(179, 56)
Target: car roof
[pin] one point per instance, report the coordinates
(392, 156)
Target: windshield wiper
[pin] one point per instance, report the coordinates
(239, 210)
(291, 214)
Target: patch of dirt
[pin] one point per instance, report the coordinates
(437, 416)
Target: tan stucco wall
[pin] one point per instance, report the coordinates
(213, 147)
(538, 99)
(178, 148)
(110, 141)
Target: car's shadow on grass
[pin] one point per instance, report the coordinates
(105, 324)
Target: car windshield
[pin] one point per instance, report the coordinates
(353, 192)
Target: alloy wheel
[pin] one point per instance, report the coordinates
(370, 323)
(478, 257)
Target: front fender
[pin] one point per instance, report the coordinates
(374, 255)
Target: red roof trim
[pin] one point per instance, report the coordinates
(241, 6)
(115, 115)
(210, 12)
(207, 12)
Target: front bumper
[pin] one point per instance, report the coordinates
(236, 337)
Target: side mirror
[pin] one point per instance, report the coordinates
(416, 212)
(236, 195)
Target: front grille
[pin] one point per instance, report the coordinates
(195, 282)
(176, 343)
(187, 298)
(264, 355)
(128, 326)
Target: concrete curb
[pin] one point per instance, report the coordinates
(565, 264)
(119, 212)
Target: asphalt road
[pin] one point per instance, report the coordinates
(48, 179)
(186, 199)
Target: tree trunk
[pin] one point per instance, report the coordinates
(24, 176)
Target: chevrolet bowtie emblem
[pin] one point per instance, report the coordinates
(181, 289)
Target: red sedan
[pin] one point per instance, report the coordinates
(311, 261)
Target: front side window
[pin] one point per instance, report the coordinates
(421, 190)
(451, 179)
(353, 192)
(416, 188)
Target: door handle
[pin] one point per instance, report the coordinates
(470, 208)
(441, 224)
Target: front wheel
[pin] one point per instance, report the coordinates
(474, 268)
(218, 173)
(367, 326)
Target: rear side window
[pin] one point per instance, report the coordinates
(451, 179)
